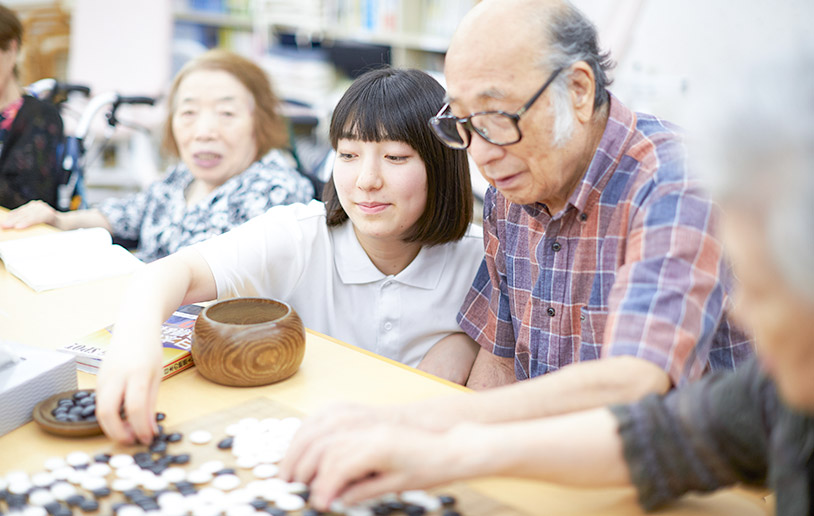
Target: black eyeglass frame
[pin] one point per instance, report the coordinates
(466, 122)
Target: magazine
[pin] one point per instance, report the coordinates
(176, 336)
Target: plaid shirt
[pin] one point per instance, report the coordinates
(631, 266)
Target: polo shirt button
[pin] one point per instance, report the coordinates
(388, 326)
(551, 312)
(556, 246)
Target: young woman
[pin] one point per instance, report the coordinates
(224, 124)
(384, 264)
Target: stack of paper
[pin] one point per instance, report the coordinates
(66, 258)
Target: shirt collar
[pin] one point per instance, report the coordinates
(619, 129)
(354, 266)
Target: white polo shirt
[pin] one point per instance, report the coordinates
(289, 253)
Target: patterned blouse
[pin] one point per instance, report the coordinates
(162, 223)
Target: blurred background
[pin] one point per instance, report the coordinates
(667, 51)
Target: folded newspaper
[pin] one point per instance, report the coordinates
(55, 260)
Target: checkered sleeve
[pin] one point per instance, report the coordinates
(485, 314)
(669, 294)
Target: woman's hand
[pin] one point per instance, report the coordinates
(129, 380)
(33, 212)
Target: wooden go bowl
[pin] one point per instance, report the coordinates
(249, 341)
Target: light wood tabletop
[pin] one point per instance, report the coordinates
(332, 371)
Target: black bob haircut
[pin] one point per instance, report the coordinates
(396, 105)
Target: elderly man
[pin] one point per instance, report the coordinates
(597, 243)
(754, 426)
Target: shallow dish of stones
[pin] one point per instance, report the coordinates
(43, 415)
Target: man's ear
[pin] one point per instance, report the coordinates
(582, 85)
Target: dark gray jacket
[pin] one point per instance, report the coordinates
(725, 429)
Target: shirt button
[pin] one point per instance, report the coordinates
(583, 217)
(556, 246)
(582, 317)
(388, 326)
(551, 312)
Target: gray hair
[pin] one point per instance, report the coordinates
(571, 38)
(757, 139)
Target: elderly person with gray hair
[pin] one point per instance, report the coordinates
(754, 426)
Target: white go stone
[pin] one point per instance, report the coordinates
(121, 460)
(129, 471)
(32, 510)
(199, 477)
(233, 429)
(62, 473)
(211, 495)
(155, 483)
(130, 510)
(123, 484)
(91, 483)
(296, 487)
(41, 497)
(200, 437)
(62, 490)
(247, 462)
(240, 510)
(289, 502)
(55, 463)
(76, 476)
(42, 479)
(212, 466)
(226, 482)
(20, 487)
(174, 474)
(239, 496)
(206, 510)
(359, 510)
(16, 476)
(170, 498)
(77, 458)
(422, 498)
(98, 469)
(265, 470)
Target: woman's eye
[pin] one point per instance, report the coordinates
(227, 114)
(345, 155)
(396, 159)
(186, 113)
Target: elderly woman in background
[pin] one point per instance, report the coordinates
(754, 426)
(224, 124)
(30, 130)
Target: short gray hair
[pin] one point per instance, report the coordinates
(571, 38)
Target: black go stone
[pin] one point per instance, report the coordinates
(84, 402)
(80, 394)
(259, 504)
(63, 511)
(102, 492)
(3, 494)
(381, 510)
(158, 447)
(160, 429)
(451, 512)
(446, 500)
(16, 501)
(134, 493)
(180, 459)
(226, 443)
(74, 500)
(225, 471)
(52, 508)
(414, 510)
(89, 506)
(116, 507)
(102, 457)
(174, 437)
(160, 416)
(88, 411)
(61, 402)
(274, 511)
(395, 506)
(311, 512)
(165, 460)
(305, 495)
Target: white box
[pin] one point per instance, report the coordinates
(38, 375)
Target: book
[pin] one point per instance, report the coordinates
(65, 258)
(176, 337)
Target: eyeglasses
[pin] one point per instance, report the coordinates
(497, 127)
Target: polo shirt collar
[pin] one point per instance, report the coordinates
(354, 265)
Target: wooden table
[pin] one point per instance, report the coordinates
(331, 371)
